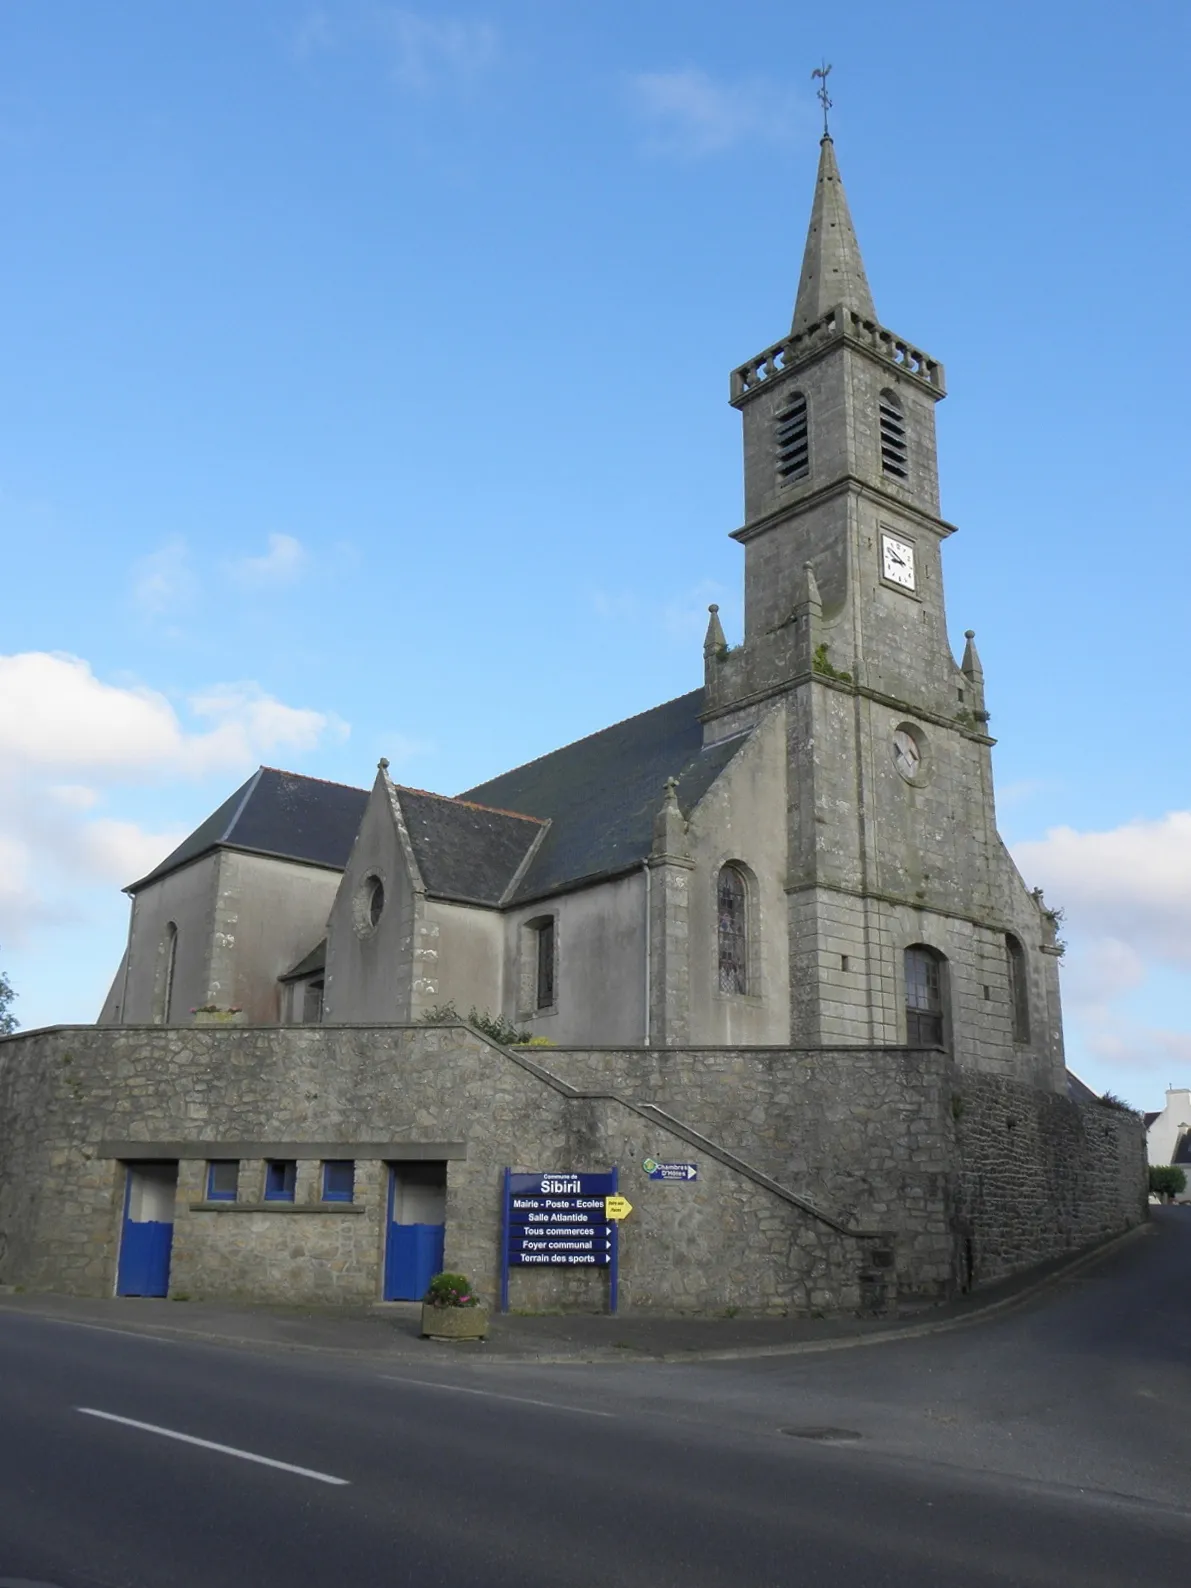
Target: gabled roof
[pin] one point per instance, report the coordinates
(1182, 1152)
(1150, 1118)
(465, 851)
(314, 961)
(276, 813)
(601, 793)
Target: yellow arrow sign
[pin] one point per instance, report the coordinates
(617, 1207)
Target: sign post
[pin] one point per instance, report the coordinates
(559, 1219)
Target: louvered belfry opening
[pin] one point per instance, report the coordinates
(792, 435)
(895, 456)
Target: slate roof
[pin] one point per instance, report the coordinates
(1150, 1118)
(1182, 1153)
(276, 813)
(596, 799)
(465, 851)
(315, 960)
(601, 793)
(1079, 1091)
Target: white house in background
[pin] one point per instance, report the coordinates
(1168, 1134)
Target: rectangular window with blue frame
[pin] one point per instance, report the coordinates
(281, 1176)
(339, 1180)
(223, 1179)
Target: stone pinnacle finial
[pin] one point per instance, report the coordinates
(970, 665)
(832, 269)
(714, 641)
(669, 827)
(383, 764)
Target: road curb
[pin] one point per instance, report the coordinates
(618, 1356)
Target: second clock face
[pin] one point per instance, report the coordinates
(897, 562)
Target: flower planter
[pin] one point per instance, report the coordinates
(454, 1323)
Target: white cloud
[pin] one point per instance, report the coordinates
(68, 740)
(282, 563)
(689, 113)
(56, 716)
(1126, 895)
(1132, 882)
(429, 52)
(164, 581)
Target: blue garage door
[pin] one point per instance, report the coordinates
(416, 1229)
(148, 1233)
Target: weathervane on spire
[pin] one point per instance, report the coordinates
(822, 95)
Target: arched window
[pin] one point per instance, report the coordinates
(1019, 988)
(792, 435)
(168, 957)
(895, 456)
(924, 997)
(731, 912)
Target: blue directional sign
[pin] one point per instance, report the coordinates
(556, 1219)
(670, 1171)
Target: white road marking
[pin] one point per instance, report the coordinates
(495, 1395)
(209, 1444)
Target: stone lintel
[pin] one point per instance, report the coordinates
(389, 1151)
(278, 1207)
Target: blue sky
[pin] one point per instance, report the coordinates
(364, 392)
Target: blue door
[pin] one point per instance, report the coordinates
(416, 1229)
(148, 1233)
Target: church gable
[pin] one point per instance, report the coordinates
(465, 852)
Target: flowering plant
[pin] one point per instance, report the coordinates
(217, 1009)
(451, 1290)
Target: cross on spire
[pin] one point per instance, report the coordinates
(824, 98)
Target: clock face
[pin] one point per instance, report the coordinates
(907, 753)
(897, 562)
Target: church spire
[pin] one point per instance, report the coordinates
(832, 269)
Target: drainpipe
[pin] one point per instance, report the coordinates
(648, 986)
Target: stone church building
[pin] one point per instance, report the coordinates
(774, 904)
(803, 850)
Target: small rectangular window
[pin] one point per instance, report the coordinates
(545, 978)
(223, 1179)
(281, 1176)
(339, 1180)
(312, 1003)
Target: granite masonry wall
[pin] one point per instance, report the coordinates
(977, 1177)
(1040, 1176)
(79, 1104)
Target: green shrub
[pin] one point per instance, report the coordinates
(495, 1027)
(451, 1290)
(1167, 1181)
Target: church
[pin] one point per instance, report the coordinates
(802, 850)
(766, 934)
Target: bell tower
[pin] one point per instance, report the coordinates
(891, 838)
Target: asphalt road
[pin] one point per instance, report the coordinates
(1064, 1461)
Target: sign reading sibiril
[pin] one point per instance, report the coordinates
(558, 1219)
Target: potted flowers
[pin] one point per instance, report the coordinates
(452, 1311)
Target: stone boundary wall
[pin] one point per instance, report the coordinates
(1040, 1176)
(732, 1239)
(865, 1133)
(901, 1138)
